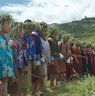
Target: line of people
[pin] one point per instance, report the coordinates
(28, 58)
(67, 61)
(70, 60)
(21, 51)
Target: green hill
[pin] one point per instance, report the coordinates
(83, 30)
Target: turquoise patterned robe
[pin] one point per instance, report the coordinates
(6, 63)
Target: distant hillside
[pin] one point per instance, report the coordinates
(84, 30)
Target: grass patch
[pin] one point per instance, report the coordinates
(83, 87)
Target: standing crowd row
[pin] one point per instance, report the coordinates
(28, 58)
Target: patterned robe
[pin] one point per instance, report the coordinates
(6, 63)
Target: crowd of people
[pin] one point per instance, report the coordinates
(28, 58)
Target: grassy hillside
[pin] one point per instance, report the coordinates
(84, 30)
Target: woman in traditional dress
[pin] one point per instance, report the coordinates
(62, 68)
(79, 63)
(84, 63)
(21, 64)
(65, 50)
(34, 52)
(6, 62)
(75, 65)
(89, 59)
(69, 64)
(45, 54)
(54, 66)
(13, 87)
(45, 44)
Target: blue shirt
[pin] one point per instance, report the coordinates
(31, 51)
